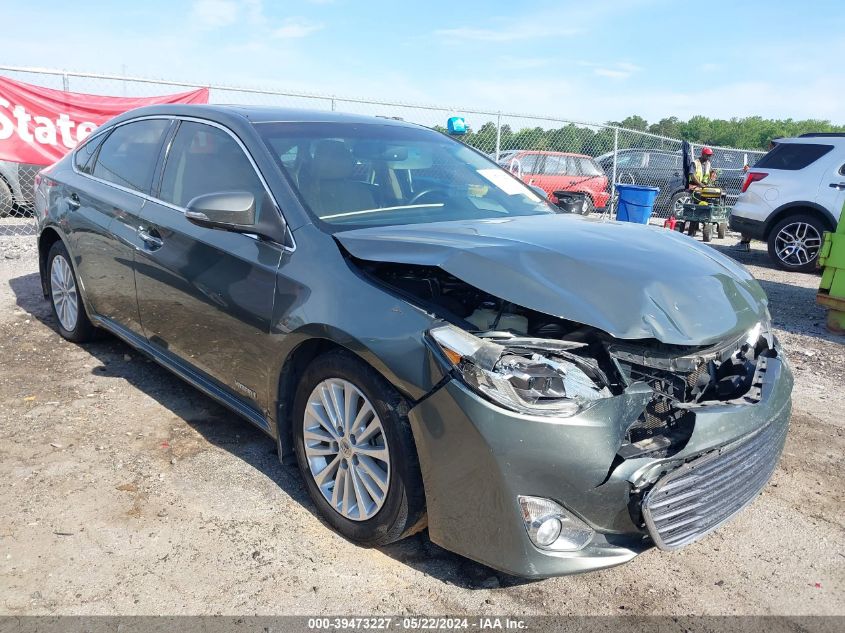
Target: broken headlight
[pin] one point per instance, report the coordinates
(526, 379)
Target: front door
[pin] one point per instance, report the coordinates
(832, 189)
(205, 295)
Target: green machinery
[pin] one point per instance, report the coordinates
(832, 287)
(707, 208)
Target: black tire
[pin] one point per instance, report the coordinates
(680, 225)
(791, 263)
(588, 206)
(7, 201)
(692, 228)
(722, 230)
(676, 201)
(81, 330)
(706, 231)
(403, 509)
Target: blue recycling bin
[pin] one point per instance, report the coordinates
(636, 203)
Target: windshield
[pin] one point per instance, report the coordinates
(352, 175)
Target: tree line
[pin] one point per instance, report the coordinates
(753, 133)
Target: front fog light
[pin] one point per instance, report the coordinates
(552, 527)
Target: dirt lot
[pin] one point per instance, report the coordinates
(124, 491)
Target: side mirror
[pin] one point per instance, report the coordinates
(235, 211)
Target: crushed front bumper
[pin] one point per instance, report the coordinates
(476, 458)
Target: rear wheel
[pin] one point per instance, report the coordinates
(707, 231)
(795, 241)
(65, 297)
(588, 207)
(355, 451)
(722, 230)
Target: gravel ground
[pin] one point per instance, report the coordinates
(125, 491)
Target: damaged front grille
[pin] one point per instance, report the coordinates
(681, 382)
(704, 493)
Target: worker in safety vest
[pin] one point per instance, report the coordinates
(701, 172)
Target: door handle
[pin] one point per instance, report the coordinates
(152, 242)
(73, 201)
(838, 185)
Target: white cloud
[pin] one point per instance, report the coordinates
(296, 27)
(215, 13)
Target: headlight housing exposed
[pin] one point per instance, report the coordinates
(521, 375)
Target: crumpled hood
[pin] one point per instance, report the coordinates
(629, 280)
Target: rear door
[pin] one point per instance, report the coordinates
(104, 200)
(558, 173)
(205, 295)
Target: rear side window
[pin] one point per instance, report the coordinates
(661, 161)
(128, 156)
(205, 159)
(793, 156)
(83, 158)
(557, 165)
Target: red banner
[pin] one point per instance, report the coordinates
(39, 125)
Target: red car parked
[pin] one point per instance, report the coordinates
(555, 171)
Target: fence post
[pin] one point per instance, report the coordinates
(65, 82)
(334, 105)
(498, 135)
(613, 175)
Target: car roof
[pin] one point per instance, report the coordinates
(548, 153)
(818, 139)
(256, 114)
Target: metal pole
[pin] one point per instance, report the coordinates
(498, 135)
(65, 82)
(334, 105)
(613, 175)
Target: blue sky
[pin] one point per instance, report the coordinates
(586, 60)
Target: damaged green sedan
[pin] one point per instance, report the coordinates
(427, 338)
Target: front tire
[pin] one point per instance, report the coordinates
(706, 231)
(356, 452)
(795, 242)
(66, 297)
(588, 207)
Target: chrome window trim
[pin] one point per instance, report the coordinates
(147, 197)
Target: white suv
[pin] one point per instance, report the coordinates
(791, 196)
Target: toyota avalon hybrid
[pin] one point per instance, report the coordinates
(430, 341)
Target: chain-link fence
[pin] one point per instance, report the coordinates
(552, 153)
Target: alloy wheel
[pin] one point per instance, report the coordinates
(346, 449)
(65, 296)
(798, 244)
(678, 205)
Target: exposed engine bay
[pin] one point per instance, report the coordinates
(533, 362)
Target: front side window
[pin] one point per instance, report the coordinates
(587, 167)
(204, 159)
(793, 156)
(372, 174)
(630, 159)
(128, 156)
(661, 161)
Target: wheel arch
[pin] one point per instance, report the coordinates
(795, 208)
(305, 346)
(46, 239)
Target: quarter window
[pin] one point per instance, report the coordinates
(128, 156)
(793, 156)
(83, 159)
(204, 159)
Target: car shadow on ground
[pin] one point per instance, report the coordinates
(226, 430)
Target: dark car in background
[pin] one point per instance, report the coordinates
(426, 337)
(664, 169)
